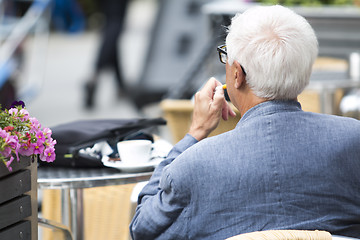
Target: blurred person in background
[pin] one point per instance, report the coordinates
(11, 67)
(109, 52)
(280, 168)
(68, 16)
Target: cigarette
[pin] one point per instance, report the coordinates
(219, 87)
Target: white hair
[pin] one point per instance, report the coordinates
(277, 49)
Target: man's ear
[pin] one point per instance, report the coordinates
(239, 75)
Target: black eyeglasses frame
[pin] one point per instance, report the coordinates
(223, 56)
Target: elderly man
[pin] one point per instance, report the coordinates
(280, 168)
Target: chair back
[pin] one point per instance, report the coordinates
(284, 235)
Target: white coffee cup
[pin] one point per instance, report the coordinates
(134, 151)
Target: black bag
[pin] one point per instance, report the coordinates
(73, 136)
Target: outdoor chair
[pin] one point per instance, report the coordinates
(55, 226)
(284, 235)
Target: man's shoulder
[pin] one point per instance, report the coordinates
(333, 126)
(336, 120)
(193, 158)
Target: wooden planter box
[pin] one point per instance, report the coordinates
(18, 200)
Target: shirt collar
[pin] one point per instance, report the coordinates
(270, 107)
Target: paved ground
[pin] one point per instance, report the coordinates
(67, 61)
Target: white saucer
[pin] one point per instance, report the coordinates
(126, 167)
(161, 148)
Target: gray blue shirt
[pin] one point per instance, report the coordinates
(280, 168)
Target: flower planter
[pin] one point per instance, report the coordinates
(21, 136)
(18, 200)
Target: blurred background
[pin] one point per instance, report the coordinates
(85, 59)
(54, 58)
(89, 59)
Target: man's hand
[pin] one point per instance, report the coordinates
(210, 105)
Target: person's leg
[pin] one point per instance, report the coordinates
(108, 55)
(115, 11)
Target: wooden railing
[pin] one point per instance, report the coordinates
(18, 200)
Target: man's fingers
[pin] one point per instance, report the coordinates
(231, 111)
(219, 102)
(225, 114)
(218, 98)
(227, 111)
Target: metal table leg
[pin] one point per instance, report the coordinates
(72, 214)
(77, 214)
(65, 210)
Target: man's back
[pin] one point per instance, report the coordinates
(280, 168)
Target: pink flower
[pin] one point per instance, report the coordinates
(13, 111)
(3, 133)
(24, 114)
(40, 137)
(47, 132)
(26, 149)
(35, 125)
(48, 155)
(53, 142)
(9, 162)
(6, 152)
(38, 148)
(11, 144)
(13, 141)
(50, 142)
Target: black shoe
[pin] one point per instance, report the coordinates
(89, 95)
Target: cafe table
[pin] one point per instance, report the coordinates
(72, 181)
